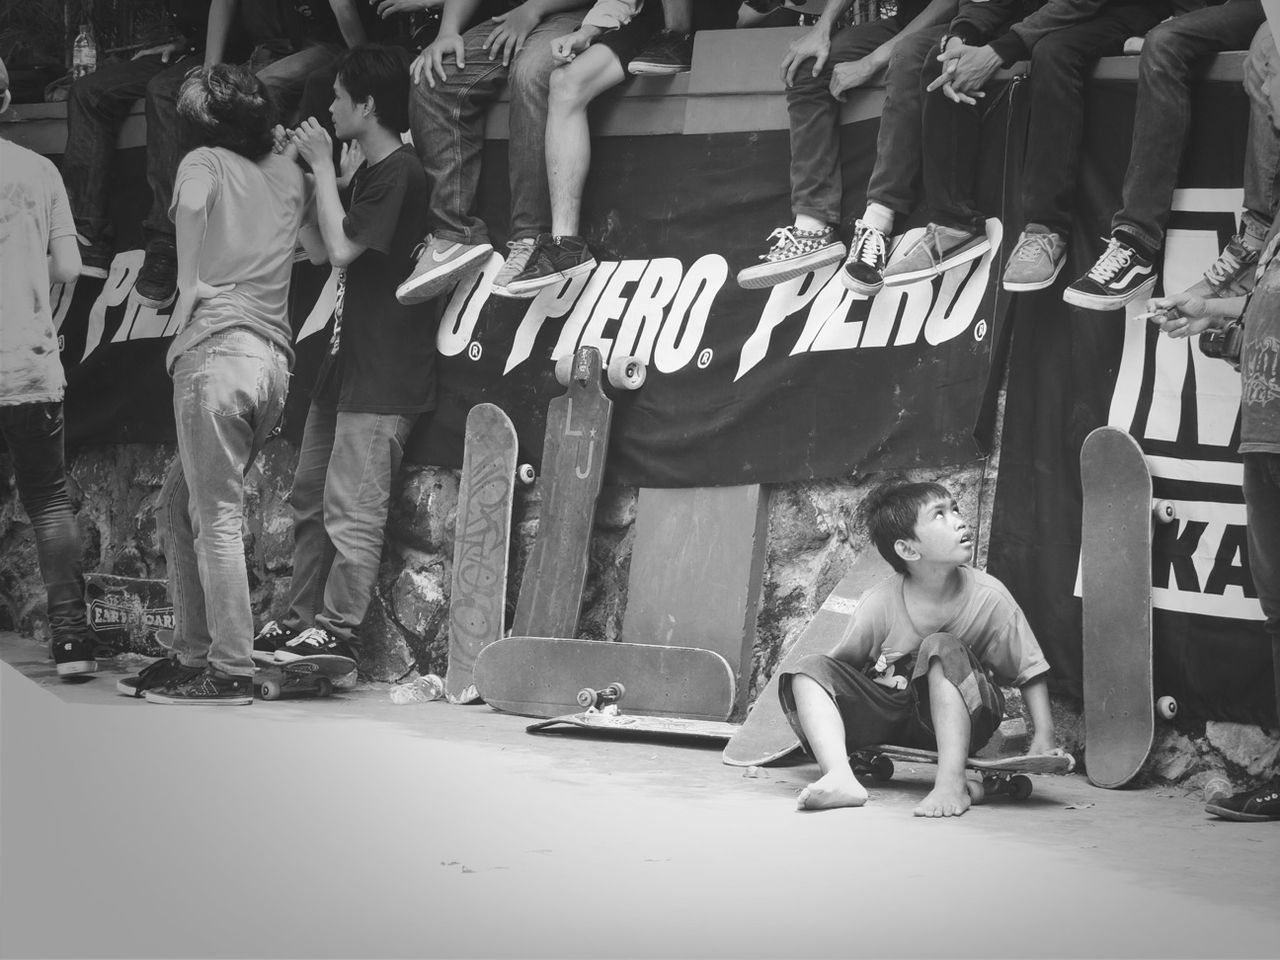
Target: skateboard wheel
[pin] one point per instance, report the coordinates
(977, 791)
(1167, 707)
(270, 690)
(881, 769)
(564, 369)
(526, 474)
(1164, 511)
(1020, 787)
(626, 373)
(586, 698)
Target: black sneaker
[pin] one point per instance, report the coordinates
(95, 257)
(667, 54)
(73, 655)
(1252, 805)
(271, 638)
(161, 673)
(1120, 275)
(864, 270)
(316, 643)
(207, 687)
(554, 260)
(157, 283)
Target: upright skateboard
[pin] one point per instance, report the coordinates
(766, 735)
(1001, 777)
(1115, 586)
(477, 597)
(544, 677)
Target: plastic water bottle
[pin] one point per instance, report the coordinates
(84, 53)
(1217, 788)
(421, 690)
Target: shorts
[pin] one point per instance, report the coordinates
(629, 41)
(875, 714)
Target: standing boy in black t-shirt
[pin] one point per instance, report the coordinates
(378, 376)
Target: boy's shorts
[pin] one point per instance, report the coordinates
(876, 714)
(629, 41)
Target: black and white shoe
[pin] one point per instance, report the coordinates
(316, 643)
(157, 675)
(1121, 274)
(792, 253)
(864, 270)
(74, 655)
(553, 261)
(271, 638)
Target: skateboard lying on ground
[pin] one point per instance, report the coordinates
(309, 677)
(1115, 589)
(1003, 777)
(543, 677)
(766, 735)
(603, 721)
(477, 597)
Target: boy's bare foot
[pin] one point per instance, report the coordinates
(945, 800)
(839, 788)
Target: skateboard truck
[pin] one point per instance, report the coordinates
(591, 699)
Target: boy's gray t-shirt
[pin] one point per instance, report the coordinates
(254, 210)
(1260, 361)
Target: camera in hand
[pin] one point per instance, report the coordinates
(1224, 343)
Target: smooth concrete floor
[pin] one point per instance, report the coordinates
(353, 827)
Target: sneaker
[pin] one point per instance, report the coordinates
(1036, 261)
(316, 643)
(518, 254)
(441, 264)
(271, 638)
(73, 655)
(792, 253)
(1252, 805)
(554, 260)
(1232, 274)
(667, 54)
(160, 673)
(95, 257)
(157, 283)
(1120, 275)
(206, 687)
(940, 249)
(864, 270)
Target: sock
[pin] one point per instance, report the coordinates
(879, 216)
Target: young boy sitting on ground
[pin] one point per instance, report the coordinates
(920, 663)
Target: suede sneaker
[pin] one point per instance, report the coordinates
(1251, 805)
(1036, 260)
(518, 254)
(73, 655)
(316, 643)
(792, 253)
(1232, 274)
(271, 638)
(864, 270)
(95, 257)
(1120, 275)
(554, 260)
(666, 55)
(155, 675)
(206, 688)
(157, 283)
(940, 249)
(441, 264)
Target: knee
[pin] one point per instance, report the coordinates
(910, 56)
(1162, 51)
(530, 78)
(567, 91)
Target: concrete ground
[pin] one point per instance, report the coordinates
(352, 827)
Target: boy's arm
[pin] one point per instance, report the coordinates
(221, 14)
(513, 27)
(64, 259)
(190, 221)
(856, 73)
(1054, 15)
(64, 250)
(317, 149)
(1035, 694)
(349, 23)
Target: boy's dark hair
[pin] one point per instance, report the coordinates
(891, 511)
(226, 106)
(382, 72)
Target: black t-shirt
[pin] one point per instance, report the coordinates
(386, 360)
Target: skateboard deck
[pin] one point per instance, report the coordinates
(313, 676)
(573, 457)
(998, 777)
(696, 572)
(481, 545)
(766, 735)
(628, 725)
(1115, 588)
(543, 677)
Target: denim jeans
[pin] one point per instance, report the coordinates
(96, 107)
(34, 435)
(1060, 64)
(816, 184)
(1262, 150)
(228, 395)
(448, 132)
(341, 495)
(1162, 117)
(1262, 505)
(286, 76)
(895, 178)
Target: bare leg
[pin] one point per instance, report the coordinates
(573, 87)
(950, 796)
(824, 729)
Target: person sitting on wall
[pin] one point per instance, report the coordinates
(920, 661)
(1063, 39)
(378, 376)
(454, 80)
(671, 49)
(819, 70)
(1171, 55)
(38, 240)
